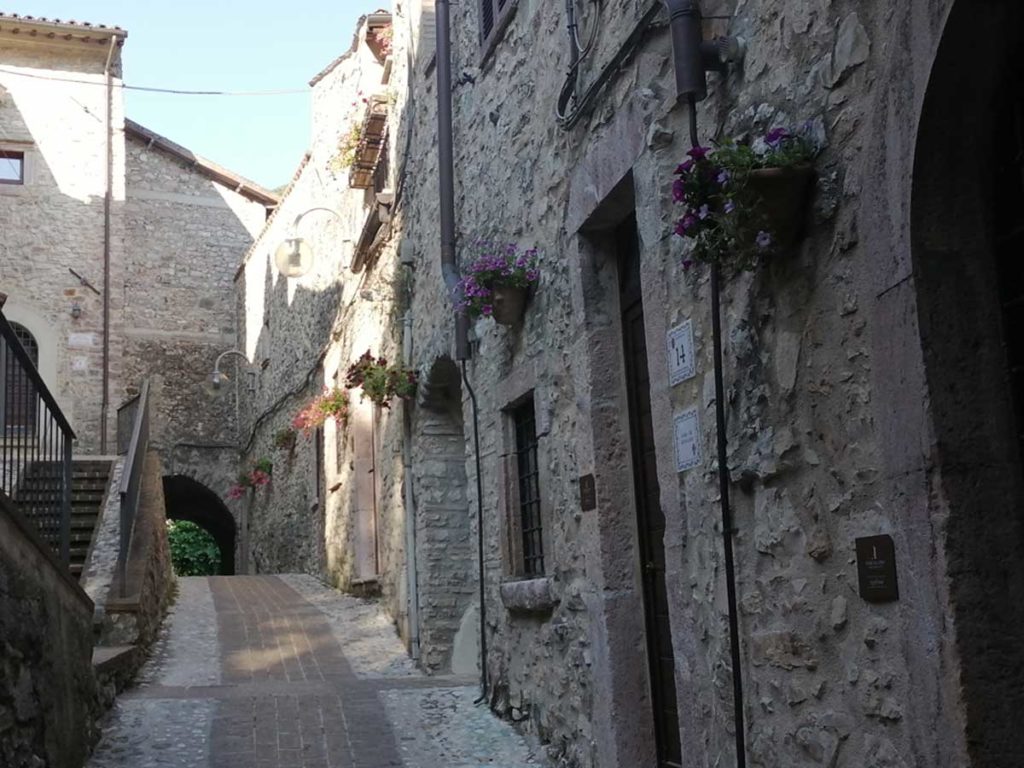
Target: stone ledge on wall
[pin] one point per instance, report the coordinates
(528, 596)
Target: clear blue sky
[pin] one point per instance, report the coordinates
(226, 45)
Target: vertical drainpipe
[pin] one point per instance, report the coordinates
(690, 68)
(107, 199)
(446, 171)
(412, 583)
(450, 272)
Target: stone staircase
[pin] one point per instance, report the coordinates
(39, 493)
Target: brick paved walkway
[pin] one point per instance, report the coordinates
(254, 672)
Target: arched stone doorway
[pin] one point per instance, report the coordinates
(967, 236)
(444, 542)
(188, 499)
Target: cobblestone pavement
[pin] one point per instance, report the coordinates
(283, 672)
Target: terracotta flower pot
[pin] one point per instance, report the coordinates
(784, 193)
(509, 304)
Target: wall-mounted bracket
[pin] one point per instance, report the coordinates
(720, 52)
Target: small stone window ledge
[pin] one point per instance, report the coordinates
(528, 596)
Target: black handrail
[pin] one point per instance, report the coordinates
(126, 413)
(131, 481)
(35, 445)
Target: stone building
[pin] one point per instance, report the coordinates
(336, 505)
(871, 384)
(118, 250)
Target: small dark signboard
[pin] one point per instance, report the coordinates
(588, 493)
(876, 569)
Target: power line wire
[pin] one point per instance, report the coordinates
(151, 89)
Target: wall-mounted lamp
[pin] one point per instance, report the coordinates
(294, 257)
(218, 377)
(76, 309)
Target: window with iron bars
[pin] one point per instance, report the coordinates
(527, 474)
(20, 406)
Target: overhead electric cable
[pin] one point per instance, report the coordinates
(151, 89)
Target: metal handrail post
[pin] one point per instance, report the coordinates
(65, 504)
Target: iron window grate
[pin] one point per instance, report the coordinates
(528, 475)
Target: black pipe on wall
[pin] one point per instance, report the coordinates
(691, 84)
(446, 171)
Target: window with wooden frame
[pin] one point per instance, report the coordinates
(494, 17)
(529, 522)
(12, 167)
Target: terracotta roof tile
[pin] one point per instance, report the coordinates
(68, 23)
(208, 168)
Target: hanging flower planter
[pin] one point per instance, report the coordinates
(257, 476)
(379, 381)
(332, 404)
(497, 282)
(509, 304)
(744, 203)
(783, 196)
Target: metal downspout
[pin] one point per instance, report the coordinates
(412, 580)
(446, 172)
(690, 65)
(107, 201)
(450, 271)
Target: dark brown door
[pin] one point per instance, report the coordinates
(650, 518)
(1008, 223)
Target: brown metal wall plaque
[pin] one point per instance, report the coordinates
(588, 493)
(876, 569)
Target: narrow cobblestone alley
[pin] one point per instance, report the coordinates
(282, 672)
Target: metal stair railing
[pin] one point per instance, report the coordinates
(35, 445)
(131, 480)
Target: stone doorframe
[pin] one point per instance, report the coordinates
(602, 196)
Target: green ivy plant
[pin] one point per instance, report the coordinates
(193, 550)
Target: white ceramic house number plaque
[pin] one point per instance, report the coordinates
(687, 439)
(681, 360)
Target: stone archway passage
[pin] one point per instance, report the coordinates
(188, 499)
(967, 237)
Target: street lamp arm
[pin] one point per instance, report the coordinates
(295, 224)
(222, 355)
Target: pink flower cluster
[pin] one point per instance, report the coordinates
(257, 477)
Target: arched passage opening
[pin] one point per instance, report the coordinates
(188, 499)
(444, 528)
(967, 230)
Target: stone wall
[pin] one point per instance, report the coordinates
(334, 508)
(48, 697)
(55, 220)
(185, 232)
(175, 239)
(822, 359)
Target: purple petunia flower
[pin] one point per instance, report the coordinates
(678, 190)
(704, 211)
(764, 240)
(730, 206)
(698, 153)
(486, 310)
(684, 167)
(723, 177)
(775, 135)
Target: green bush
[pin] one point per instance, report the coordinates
(193, 550)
